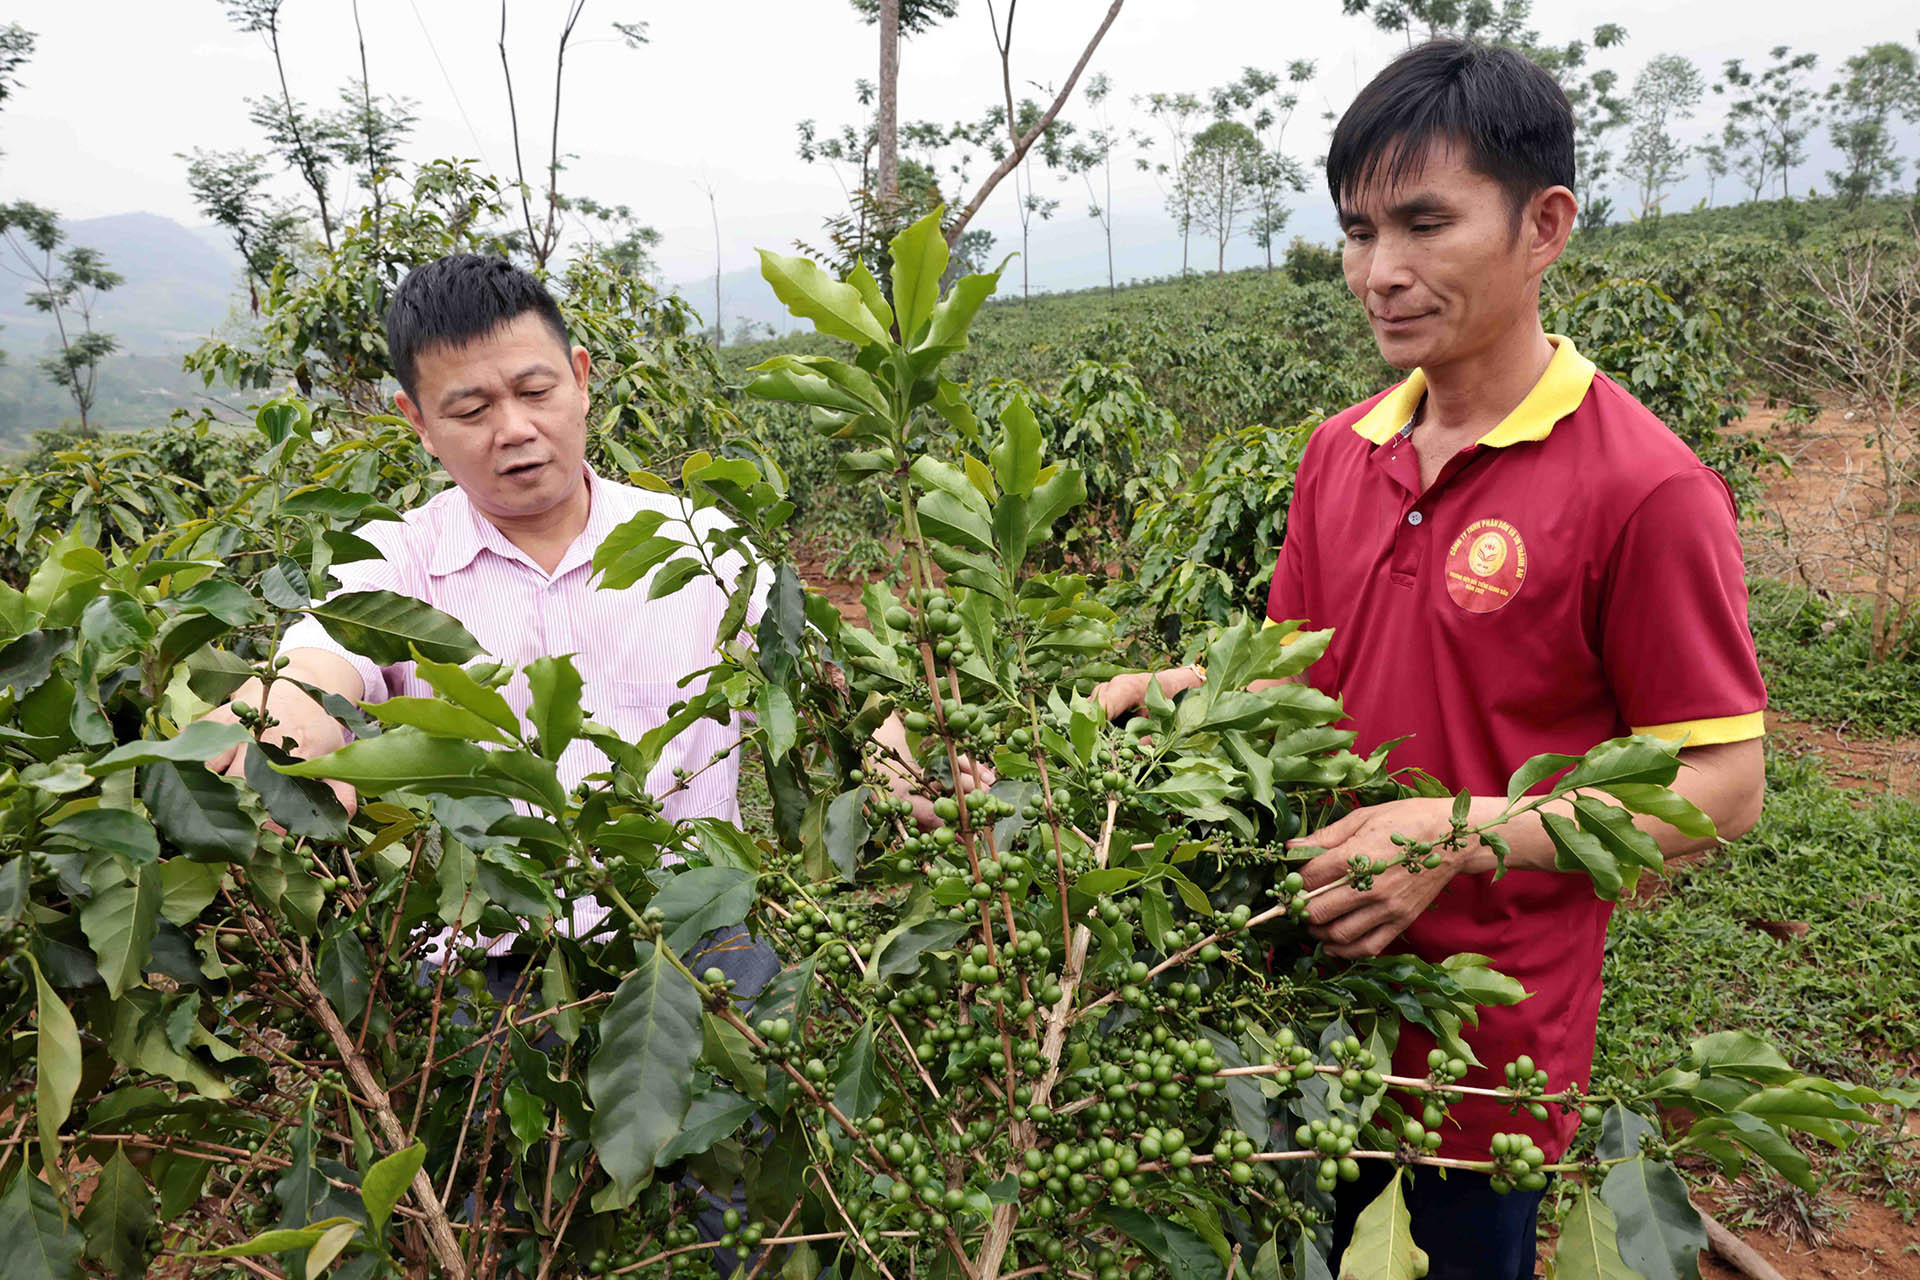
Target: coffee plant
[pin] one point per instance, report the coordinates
(1072, 1026)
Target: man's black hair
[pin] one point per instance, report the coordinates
(1508, 116)
(456, 299)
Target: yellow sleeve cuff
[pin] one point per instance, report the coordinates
(1711, 733)
(1285, 641)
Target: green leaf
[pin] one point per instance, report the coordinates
(1016, 456)
(862, 279)
(728, 1053)
(1613, 827)
(1535, 771)
(1621, 1131)
(198, 811)
(27, 660)
(1248, 1104)
(221, 598)
(1589, 1248)
(1764, 1141)
(457, 685)
(1670, 807)
(121, 830)
(1630, 760)
(835, 309)
(186, 887)
(387, 1181)
(388, 628)
(440, 719)
(700, 900)
(198, 743)
(947, 328)
(919, 260)
(58, 1054)
(778, 719)
(281, 1240)
(117, 1217)
(302, 806)
(845, 831)
(344, 975)
(406, 757)
(117, 622)
(1180, 1250)
(857, 1089)
(119, 920)
(1742, 1054)
(714, 1115)
(555, 710)
(1481, 984)
(329, 1245)
(641, 1078)
(1575, 850)
(899, 949)
(1658, 1228)
(1382, 1246)
(673, 577)
(40, 1244)
(556, 988)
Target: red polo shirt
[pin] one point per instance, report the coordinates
(1574, 576)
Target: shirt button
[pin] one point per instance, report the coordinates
(1414, 517)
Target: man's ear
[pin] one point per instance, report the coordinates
(411, 412)
(582, 366)
(1549, 223)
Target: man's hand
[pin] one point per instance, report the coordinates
(304, 728)
(1352, 923)
(901, 772)
(1125, 692)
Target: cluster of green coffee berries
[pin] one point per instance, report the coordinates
(1334, 1140)
(1524, 1078)
(1517, 1163)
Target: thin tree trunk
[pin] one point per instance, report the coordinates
(889, 126)
(718, 330)
(1032, 135)
(366, 124)
(308, 166)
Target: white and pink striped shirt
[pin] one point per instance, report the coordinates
(631, 652)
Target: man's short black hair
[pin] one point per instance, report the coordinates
(459, 298)
(1510, 118)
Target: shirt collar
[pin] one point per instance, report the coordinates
(1568, 377)
(467, 532)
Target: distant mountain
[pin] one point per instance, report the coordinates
(180, 284)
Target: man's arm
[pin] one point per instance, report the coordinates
(1727, 782)
(302, 720)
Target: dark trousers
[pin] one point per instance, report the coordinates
(1469, 1230)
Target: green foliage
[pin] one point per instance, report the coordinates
(1817, 656)
(1207, 541)
(983, 1030)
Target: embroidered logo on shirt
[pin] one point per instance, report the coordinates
(1486, 566)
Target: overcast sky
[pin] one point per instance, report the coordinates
(119, 87)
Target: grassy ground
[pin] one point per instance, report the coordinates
(1842, 1000)
(1815, 656)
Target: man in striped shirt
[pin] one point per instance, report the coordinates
(498, 395)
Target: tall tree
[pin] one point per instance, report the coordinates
(1095, 151)
(64, 286)
(371, 130)
(1222, 178)
(1713, 156)
(306, 140)
(1665, 92)
(1177, 113)
(1055, 156)
(1772, 112)
(231, 188)
(1265, 103)
(16, 46)
(896, 18)
(1881, 84)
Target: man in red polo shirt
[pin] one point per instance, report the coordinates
(1515, 557)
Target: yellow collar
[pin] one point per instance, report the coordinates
(1559, 392)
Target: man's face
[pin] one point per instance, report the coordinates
(506, 415)
(1441, 263)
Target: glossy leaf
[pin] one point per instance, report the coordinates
(196, 744)
(58, 1063)
(1180, 1250)
(119, 920)
(641, 1079)
(1382, 1246)
(41, 1244)
(1659, 1230)
(857, 1088)
(919, 260)
(304, 807)
(835, 309)
(387, 1182)
(1589, 1248)
(389, 628)
(1575, 850)
(898, 951)
(701, 900)
(845, 831)
(555, 712)
(119, 1211)
(198, 811)
(120, 830)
